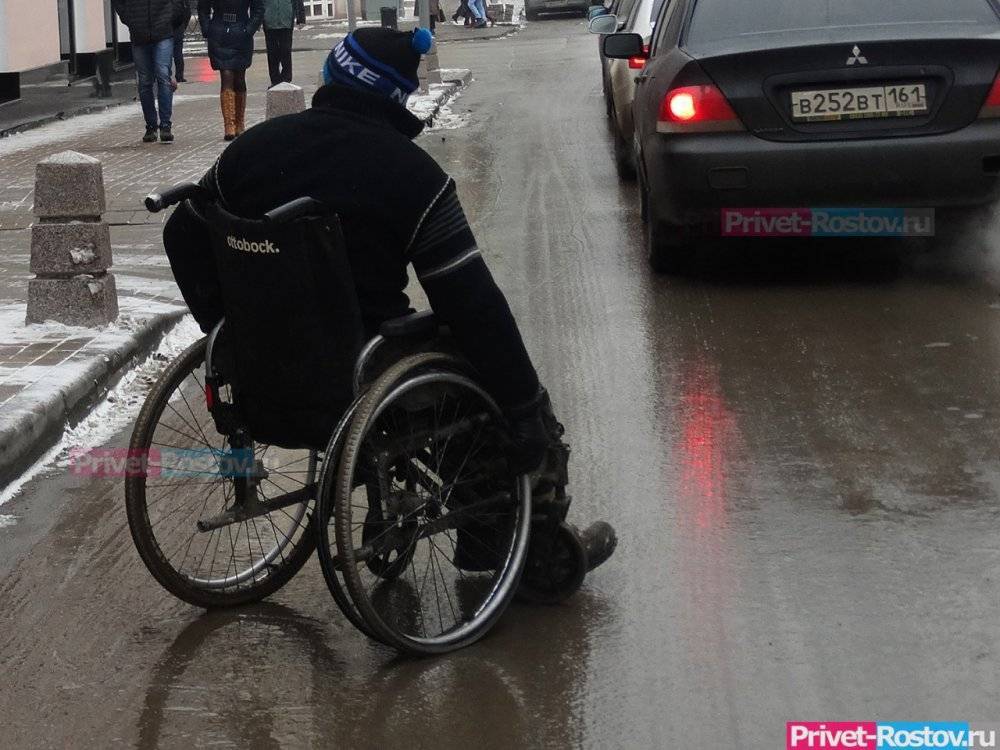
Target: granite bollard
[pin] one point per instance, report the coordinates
(71, 244)
(285, 99)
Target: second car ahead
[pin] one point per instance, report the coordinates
(619, 88)
(790, 103)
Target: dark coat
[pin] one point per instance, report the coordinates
(229, 26)
(151, 21)
(283, 14)
(181, 23)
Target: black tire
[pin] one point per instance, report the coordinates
(624, 154)
(668, 250)
(416, 378)
(192, 424)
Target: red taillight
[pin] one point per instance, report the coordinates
(638, 63)
(696, 109)
(209, 401)
(992, 106)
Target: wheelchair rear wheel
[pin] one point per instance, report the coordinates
(431, 531)
(183, 514)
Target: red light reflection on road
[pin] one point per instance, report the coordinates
(706, 438)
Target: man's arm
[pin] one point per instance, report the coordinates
(465, 297)
(204, 15)
(257, 10)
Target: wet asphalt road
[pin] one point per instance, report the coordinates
(798, 445)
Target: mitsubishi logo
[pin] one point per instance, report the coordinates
(856, 57)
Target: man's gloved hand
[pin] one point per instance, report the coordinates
(529, 436)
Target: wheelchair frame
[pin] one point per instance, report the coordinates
(392, 385)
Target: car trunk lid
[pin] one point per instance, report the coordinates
(954, 75)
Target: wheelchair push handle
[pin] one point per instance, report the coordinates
(296, 209)
(156, 202)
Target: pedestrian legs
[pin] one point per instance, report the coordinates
(152, 67)
(163, 53)
(142, 56)
(279, 55)
(179, 55)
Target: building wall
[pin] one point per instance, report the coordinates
(91, 31)
(29, 34)
(317, 9)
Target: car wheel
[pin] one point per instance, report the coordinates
(668, 250)
(624, 158)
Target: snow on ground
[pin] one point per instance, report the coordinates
(446, 119)
(118, 410)
(435, 104)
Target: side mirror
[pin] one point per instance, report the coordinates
(606, 24)
(623, 46)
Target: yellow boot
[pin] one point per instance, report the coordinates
(227, 100)
(241, 112)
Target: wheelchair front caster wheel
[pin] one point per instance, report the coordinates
(555, 568)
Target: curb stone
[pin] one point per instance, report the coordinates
(30, 426)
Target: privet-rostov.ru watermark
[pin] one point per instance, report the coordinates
(872, 735)
(164, 462)
(827, 222)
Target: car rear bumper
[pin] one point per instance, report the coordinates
(690, 177)
(553, 6)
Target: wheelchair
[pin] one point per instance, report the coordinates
(394, 471)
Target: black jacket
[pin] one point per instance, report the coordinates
(354, 151)
(151, 21)
(210, 11)
(181, 22)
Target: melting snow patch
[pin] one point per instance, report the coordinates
(7, 521)
(937, 345)
(118, 410)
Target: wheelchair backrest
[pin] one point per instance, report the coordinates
(293, 324)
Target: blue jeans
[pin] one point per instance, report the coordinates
(152, 66)
(478, 8)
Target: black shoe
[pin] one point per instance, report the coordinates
(599, 540)
(480, 24)
(182, 80)
(150, 136)
(166, 136)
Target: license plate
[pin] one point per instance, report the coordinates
(869, 102)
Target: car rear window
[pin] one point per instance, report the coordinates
(724, 19)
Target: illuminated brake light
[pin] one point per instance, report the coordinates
(682, 106)
(638, 63)
(992, 106)
(697, 109)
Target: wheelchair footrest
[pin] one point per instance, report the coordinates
(255, 509)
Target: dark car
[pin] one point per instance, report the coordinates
(621, 10)
(788, 103)
(532, 8)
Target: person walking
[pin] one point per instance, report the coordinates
(151, 25)
(279, 17)
(179, 30)
(229, 26)
(478, 8)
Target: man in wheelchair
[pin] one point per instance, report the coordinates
(353, 151)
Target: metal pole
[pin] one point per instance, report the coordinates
(352, 18)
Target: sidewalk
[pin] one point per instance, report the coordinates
(50, 374)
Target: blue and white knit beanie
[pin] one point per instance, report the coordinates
(379, 60)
